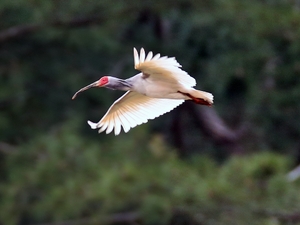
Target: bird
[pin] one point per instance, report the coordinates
(160, 87)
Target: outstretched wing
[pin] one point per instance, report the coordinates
(133, 109)
(164, 66)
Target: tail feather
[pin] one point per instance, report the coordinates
(200, 97)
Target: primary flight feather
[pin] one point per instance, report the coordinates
(160, 87)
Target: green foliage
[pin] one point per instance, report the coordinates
(245, 52)
(58, 176)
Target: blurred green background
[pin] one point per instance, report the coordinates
(227, 164)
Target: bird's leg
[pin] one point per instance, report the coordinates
(95, 84)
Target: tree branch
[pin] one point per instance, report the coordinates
(294, 174)
(213, 126)
(7, 148)
(17, 31)
(20, 30)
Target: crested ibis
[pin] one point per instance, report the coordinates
(160, 87)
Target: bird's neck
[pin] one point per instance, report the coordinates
(119, 84)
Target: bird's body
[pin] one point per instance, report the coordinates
(160, 87)
(153, 87)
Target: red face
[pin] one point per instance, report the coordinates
(103, 81)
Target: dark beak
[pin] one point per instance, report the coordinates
(95, 84)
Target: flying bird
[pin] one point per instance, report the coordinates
(160, 87)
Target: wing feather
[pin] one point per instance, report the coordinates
(124, 122)
(155, 57)
(135, 118)
(149, 56)
(133, 109)
(165, 67)
(142, 56)
(110, 126)
(117, 123)
(103, 127)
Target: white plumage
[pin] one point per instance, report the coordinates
(160, 87)
(133, 109)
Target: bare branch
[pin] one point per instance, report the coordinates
(208, 119)
(294, 174)
(213, 126)
(78, 22)
(17, 31)
(7, 148)
(20, 30)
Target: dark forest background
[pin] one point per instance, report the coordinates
(227, 164)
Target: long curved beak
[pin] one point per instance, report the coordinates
(95, 84)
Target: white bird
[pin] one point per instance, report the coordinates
(160, 87)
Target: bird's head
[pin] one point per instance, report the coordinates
(102, 82)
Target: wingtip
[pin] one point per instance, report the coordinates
(92, 125)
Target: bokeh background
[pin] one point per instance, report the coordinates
(227, 164)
